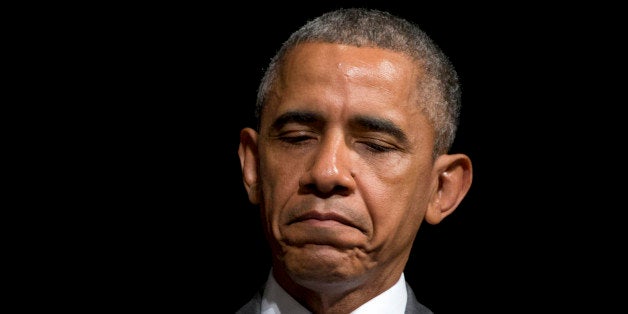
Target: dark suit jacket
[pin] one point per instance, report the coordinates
(413, 306)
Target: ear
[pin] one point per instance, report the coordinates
(455, 174)
(249, 162)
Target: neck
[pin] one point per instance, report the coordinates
(340, 296)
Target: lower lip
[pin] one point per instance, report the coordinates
(322, 223)
(322, 232)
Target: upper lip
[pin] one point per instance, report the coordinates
(324, 216)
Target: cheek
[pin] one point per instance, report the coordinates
(397, 198)
(280, 179)
(279, 169)
(396, 217)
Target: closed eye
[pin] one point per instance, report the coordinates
(378, 146)
(295, 139)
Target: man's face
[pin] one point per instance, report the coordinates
(345, 164)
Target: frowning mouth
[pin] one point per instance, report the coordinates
(324, 219)
(339, 226)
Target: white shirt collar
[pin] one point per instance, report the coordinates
(276, 300)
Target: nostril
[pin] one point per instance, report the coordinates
(323, 192)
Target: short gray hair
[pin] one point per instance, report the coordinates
(373, 28)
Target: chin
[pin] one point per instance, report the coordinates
(322, 265)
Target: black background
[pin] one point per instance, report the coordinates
(165, 222)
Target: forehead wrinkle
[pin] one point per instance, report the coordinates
(384, 69)
(367, 73)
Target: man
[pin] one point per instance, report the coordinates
(357, 113)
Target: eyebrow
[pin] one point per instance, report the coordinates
(367, 123)
(380, 125)
(305, 117)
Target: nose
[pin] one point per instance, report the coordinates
(330, 170)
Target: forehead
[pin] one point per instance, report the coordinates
(360, 65)
(347, 80)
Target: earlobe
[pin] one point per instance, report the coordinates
(455, 174)
(249, 162)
